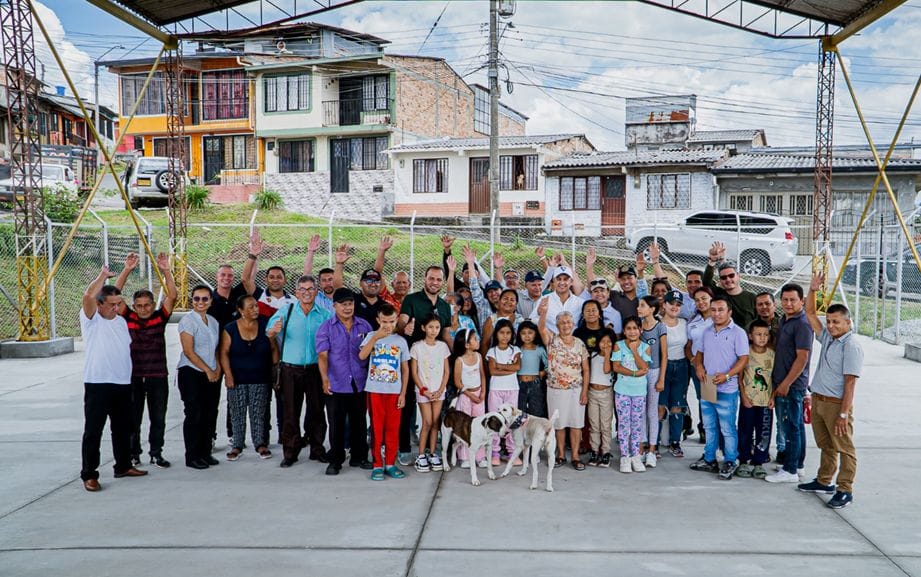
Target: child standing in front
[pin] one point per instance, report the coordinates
(756, 418)
(388, 375)
(656, 336)
(429, 364)
(504, 360)
(630, 361)
(532, 391)
(470, 380)
(601, 401)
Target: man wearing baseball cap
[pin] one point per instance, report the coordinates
(561, 299)
(367, 298)
(599, 292)
(632, 287)
(533, 290)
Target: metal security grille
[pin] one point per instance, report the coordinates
(430, 175)
(740, 202)
(668, 191)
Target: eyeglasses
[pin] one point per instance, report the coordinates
(372, 281)
(301, 289)
(200, 299)
(727, 276)
(600, 282)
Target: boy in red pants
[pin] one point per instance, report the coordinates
(388, 375)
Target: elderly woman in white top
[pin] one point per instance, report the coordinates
(199, 379)
(567, 381)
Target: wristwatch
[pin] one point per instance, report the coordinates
(842, 415)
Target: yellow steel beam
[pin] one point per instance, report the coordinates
(879, 164)
(168, 40)
(106, 154)
(865, 19)
(876, 183)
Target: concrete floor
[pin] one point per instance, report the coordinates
(251, 517)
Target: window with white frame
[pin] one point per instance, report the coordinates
(580, 193)
(430, 175)
(518, 172)
(287, 92)
(740, 202)
(772, 203)
(668, 191)
(801, 205)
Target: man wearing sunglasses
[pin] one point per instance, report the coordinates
(742, 301)
(367, 297)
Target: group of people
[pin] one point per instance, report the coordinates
(606, 360)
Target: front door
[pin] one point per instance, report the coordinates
(339, 161)
(214, 157)
(613, 206)
(479, 186)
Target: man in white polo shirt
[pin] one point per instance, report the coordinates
(106, 380)
(561, 299)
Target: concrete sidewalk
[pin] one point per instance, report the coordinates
(251, 517)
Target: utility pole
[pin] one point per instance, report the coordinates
(96, 119)
(494, 116)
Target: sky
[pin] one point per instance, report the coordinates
(570, 64)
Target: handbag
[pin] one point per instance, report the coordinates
(276, 368)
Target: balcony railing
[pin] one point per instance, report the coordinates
(241, 176)
(357, 112)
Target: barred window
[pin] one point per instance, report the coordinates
(518, 172)
(225, 94)
(368, 153)
(580, 193)
(295, 156)
(288, 92)
(801, 205)
(668, 191)
(772, 203)
(375, 92)
(430, 175)
(741, 202)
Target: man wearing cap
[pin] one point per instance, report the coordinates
(625, 300)
(343, 374)
(561, 299)
(730, 285)
(367, 299)
(533, 290)
(599, 292)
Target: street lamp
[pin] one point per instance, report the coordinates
(96, 95)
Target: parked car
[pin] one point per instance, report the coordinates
(874, 281)
(53, 175)
(764, 242)
(148, 180)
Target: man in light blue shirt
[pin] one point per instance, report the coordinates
(295, 326)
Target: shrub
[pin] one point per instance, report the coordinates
(267, 200)
(196, 197)
(61, 204)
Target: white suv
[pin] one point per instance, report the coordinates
(762, 241)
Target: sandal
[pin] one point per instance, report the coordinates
(394, 472)
(264, 452)
(377, 474)
(234, 454)
(578, 465)
(560, 461)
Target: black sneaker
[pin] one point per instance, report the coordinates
(332, 469)
(781, 456)
(728, 469)
(364, 465)
(285, 463)
(159, 461)
(196, 464)
(594, 459)
(606, 460)
(841, 500)
(815, 487)
(705, 466)
(211, 460)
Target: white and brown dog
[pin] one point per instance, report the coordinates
(534, 433)
(475, 433)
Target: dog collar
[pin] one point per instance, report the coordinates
(519, 420)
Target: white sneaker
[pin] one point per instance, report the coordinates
(651, 460)
(800, 472)
(625, 465)
(465, 464)
(637, 464)
(404, 459)
(422, 464)
(483, 463)
(782, 477)
(435, 462)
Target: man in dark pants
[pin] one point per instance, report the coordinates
(147, 327)
(338, 343)
(106, 380)
(791, 379)
(417, 306)
(297, 326)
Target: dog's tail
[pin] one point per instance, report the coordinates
(554, 418)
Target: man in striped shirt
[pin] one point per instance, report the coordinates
(147, 327)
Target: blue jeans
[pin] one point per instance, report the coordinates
(791, 418)
(781, 438)
(720, 417)
(675, 395)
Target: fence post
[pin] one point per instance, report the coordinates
(412, 248)
(329, 240)
(105, 238)
(492, 242)
(857, 295)
(49, 242)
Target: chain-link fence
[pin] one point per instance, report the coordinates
(880, 283)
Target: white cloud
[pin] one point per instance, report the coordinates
(79, 64)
